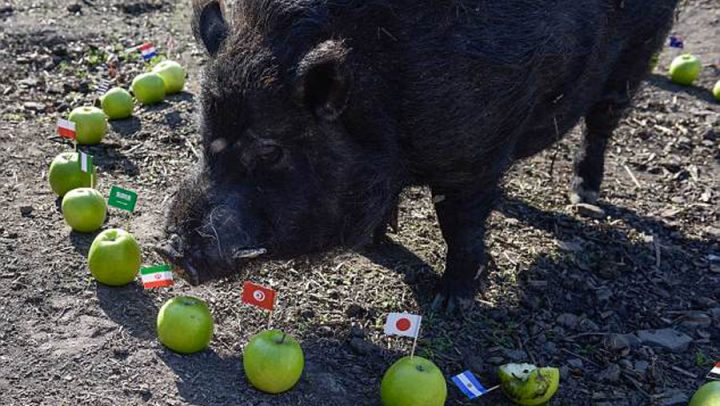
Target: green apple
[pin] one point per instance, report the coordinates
(413, 381)
(117, 103)
(716, 91)
(273, 361)
(114, 257)
(528, 385)
(65, 174)
(90, 124)
(185, 325)
(148, 88)
(707, 395)
(84, 209)
(684, 69)
(173, 74)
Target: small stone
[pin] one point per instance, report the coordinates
(26, 210)
(641, 367)
(496, 360)
(550, 348)
(74, 8)
(610, 374)
(620, 342)
(668, 339)
(589, 210)
(575, 363)
(33, 106)
(588, 325)
(568, 320)
(515, 355)
(695, 320)
(674, 397)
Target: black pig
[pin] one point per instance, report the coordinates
(316, 114)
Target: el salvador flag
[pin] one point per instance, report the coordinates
(469, 385)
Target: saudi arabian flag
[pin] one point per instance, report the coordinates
(158, 276)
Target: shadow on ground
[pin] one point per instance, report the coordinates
(131, 307)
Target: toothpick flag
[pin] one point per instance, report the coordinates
(259, 296)
(403, 324)
(103, 86)
(469, 385)
(157, 276)
(715, 372)
(148, 51)
(123, 199)
(676, 41)
(66, 129)
(86, 163)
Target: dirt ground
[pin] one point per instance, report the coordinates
(567, 290)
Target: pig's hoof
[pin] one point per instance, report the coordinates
(451, 301)
(581, 194)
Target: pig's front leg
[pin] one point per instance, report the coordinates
(462, 218)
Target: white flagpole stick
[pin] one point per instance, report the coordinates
(492, 389)
(417, 334)
(269, 320)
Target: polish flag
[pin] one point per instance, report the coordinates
(259, 296)
(403, 324)
(715, 372)
(66, 129)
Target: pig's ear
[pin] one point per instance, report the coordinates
(323, 80)
(209, 25)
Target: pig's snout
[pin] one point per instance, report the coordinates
(172, 251)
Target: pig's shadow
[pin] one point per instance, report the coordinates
(131, 307)
(664, 83)
(126, 127)
(333, 374)
(108, 158)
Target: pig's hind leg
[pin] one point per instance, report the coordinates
(602, 119)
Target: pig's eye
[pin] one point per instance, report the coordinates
(270, 154)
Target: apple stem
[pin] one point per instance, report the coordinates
(282, 339)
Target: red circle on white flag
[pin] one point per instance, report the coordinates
(403, 324)
(259, 295)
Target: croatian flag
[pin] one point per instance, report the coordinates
(148, 51)
(157, 276)
(403, 324)
(676, 41)
(66, 129)
(469, 385)
(715, 372)
(260, 296)
(85, 162)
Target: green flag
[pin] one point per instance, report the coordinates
(123, 199)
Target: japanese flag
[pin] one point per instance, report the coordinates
(403, 324)
(259, 296)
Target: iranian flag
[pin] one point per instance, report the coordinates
(158, 276)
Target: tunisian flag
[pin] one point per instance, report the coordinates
(259, 296)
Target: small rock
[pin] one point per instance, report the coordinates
(589, 210)
(568, 320)
(33, 106)
(641, 367)
(515, 355)
(496, 360)
(550, 348)
(564, 372)
(26, 210)
(695, 320)
(669, 339)
(625, 364)
(674, 397)
(610, 374)
(619, 342)
(588, 325)
(74, 8)
(575, 363)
